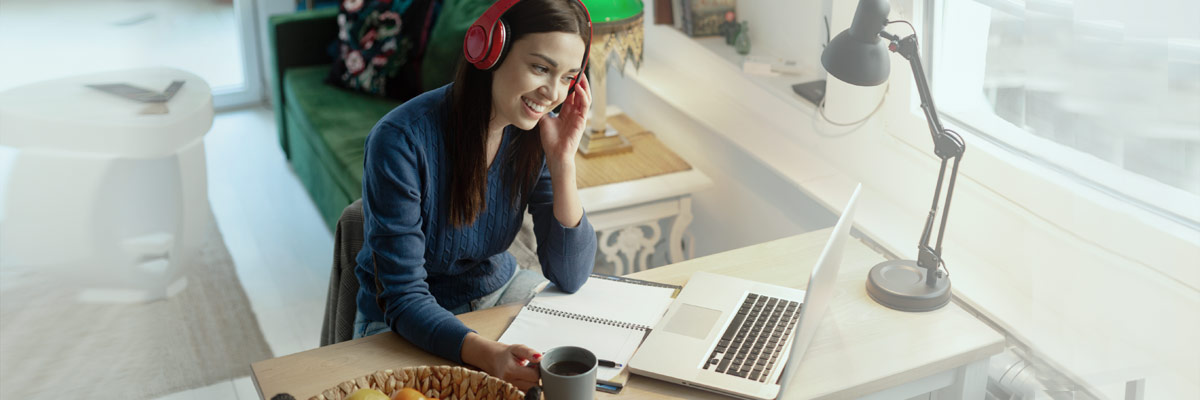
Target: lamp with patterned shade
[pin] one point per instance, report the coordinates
(616, 38)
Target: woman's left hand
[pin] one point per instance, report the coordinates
(560, 135)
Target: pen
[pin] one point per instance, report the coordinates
(609, 364)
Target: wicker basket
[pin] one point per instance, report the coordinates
(443, 382)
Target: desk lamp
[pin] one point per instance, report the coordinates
(617, 37)
(858, 57)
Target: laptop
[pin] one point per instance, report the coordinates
(738, 337)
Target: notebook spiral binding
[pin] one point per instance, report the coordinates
(586, 318)
(635, 281)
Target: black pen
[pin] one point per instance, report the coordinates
(609, 364)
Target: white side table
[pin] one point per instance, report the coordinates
(638, 201)
(112, 201)
(626, 217)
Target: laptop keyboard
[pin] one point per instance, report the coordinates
(754, 339)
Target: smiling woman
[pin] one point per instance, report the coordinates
(543, 38)
(448, 174)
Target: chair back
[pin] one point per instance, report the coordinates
(341, 304)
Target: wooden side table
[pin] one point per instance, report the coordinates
(628, 195)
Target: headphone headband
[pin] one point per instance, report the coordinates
(487, 38)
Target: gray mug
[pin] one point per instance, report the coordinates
(568, 373)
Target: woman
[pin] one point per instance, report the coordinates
(446, 179)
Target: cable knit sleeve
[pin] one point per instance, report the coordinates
(393, 182)
(567, 255)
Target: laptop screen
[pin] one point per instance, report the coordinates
(821, 285)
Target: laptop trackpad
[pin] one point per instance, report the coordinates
(693, 321)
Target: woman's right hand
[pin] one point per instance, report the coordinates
(515, 364)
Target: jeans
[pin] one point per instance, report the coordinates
(523, 285)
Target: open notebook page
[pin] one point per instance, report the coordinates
(543, 332)
(611, 300)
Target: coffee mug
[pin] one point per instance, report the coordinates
(568, 373)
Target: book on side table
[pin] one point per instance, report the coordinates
(609, 315)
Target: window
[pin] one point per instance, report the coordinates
(1106, 91)
(44, 40)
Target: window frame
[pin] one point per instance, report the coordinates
(250, 91)
(979, 123)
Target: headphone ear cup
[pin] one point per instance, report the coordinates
(499, 46)
(475, 44)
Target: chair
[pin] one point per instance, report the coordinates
(340, 303)
(341, 300)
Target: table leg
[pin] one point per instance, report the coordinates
(675, 247)
(970, 383)
(967, 382)
(196, 212)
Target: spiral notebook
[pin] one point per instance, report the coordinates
(610, 316)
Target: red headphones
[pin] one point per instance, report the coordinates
(487, 38)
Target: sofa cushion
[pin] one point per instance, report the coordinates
(326, 191)
(378, 44)
(335, 121)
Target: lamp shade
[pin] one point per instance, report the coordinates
(608, 11)
(857, 55)
(616, 37)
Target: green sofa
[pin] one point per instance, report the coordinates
(322, 128)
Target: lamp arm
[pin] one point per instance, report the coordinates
(947, 145)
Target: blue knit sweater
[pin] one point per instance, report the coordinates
(423, 264)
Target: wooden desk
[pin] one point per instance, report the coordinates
(862, 350)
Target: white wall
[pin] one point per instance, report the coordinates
(749, 203)
(263, 10)
(792, 29)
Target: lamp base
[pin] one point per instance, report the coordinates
(599, 143)
(900, 285)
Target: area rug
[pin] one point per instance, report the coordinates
(52, 346)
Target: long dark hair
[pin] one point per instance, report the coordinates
(471, 109)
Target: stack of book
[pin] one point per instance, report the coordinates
(696, 17)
